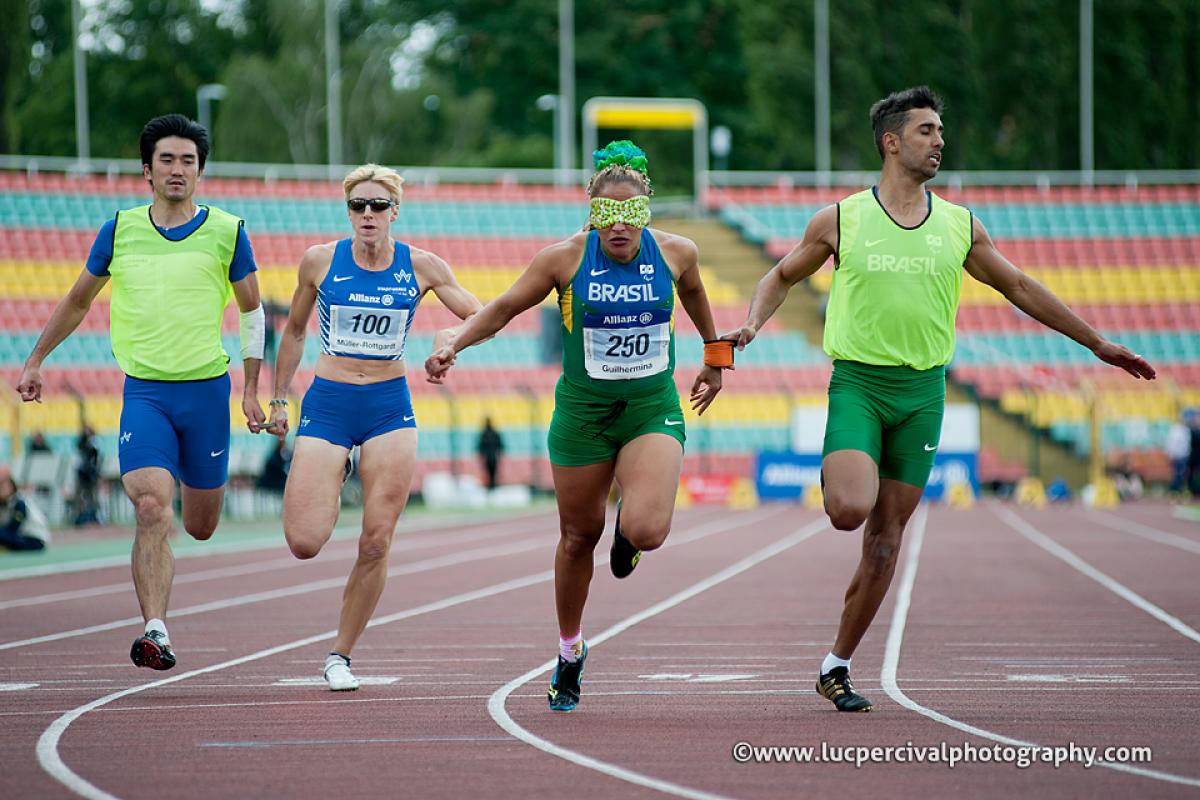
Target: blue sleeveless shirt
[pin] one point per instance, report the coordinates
(618, 322)
(367, 313)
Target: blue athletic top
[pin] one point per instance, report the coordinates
(367, 313)
(102, 248)
(618, 321)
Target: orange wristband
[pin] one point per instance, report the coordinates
(718, 353)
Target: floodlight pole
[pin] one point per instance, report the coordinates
(1087, 144)
(821, 88)
(83, 145)
(205, 94)
(333, 83)
(566, 83)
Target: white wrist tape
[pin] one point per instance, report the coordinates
(253, 330)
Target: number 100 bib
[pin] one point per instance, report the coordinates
(624, 346)
(355, 330)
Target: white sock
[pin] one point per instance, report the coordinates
(831, 661)
(157, 624)
(336, 658)
(571, 649)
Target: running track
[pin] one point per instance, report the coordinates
(1004, 625)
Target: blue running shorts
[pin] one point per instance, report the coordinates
(181, 426)
(348, 414)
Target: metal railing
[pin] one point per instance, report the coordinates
(434, 175)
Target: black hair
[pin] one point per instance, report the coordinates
(889, 114)
(173, 125)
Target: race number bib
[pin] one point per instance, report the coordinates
(624, 346)
(354, 330)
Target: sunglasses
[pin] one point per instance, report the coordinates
(377, 204)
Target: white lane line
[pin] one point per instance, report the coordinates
(496, 704)
(16, 687)
(363, 679)
(47, 746)
(891, 663)
(1145, 531)
(226, 547)
(478, 554)
(1121, 590)
(330, 554)
(406, 569)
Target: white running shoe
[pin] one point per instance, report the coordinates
(338, 674)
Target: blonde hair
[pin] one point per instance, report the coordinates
(619, 173)
(384, 176)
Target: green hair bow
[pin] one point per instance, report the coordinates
(621, 152)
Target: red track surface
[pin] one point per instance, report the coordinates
(999, 634)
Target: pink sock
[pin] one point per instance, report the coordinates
(571, 649)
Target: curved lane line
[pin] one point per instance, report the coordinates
(891, 661)
(496, 704)
(47, 746)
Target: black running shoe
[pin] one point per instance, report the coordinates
(567, 682)
(835, 685)
(623, 556)
(151, 650)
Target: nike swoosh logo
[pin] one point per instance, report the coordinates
(870, 243)
(596, 272)
(673, 421)
(930, 449)
(407, 419)
(214, 455)
(340, 278)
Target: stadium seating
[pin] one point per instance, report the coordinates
(488, 233)
(1127, 258)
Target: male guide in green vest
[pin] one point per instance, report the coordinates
(899, 251)
(173, 266)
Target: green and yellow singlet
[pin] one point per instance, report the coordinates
(895, 290)
(168, 297)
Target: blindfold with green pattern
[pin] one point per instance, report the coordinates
(607, 212)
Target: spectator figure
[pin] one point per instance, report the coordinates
(87, 478)
(1193, 460)
(273, 477)
(38, 443)
(491, 445)
(1128, 482)
(22, 524)
(1179, 447)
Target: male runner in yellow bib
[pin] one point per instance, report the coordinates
(899, 251)
(174, 266)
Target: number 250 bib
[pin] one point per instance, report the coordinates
(623, 346)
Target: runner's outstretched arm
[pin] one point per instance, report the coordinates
(986, 264)
(818, 244)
